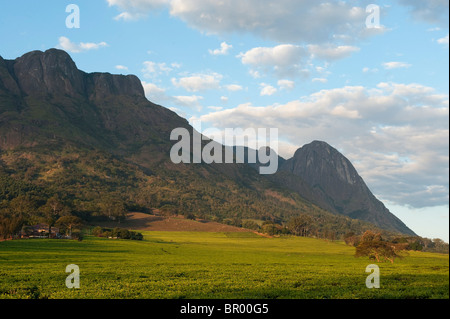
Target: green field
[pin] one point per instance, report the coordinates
(169, 265)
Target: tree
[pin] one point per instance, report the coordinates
(22, 206)
(69, 222)
(351, 239)
(114, 209)
(10, 226)
(190, 216)
(301, 225)
(270, 228)
(373, 246)
(97, 231)
(52, 210)
(250, 224)
(416, 245)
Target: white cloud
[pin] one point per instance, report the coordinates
(67, 45)
(234, 87)
(199, 82)
(152, 69)
(331, 52)
(192, 101)
(286, 84)
(430, 11)
(158, 95)
(283, 21)
(267, 90)
(401, 145)
(155, 93)
(320, 80)
(255, 74)
(127, 16)
(443, 40)
(224, 99)
(224, 49)
(369, 70)
(291, 61)
(285, 60)
(294, 21)
(121, 67)
(136, 9)
(279, 56)
(396, 65)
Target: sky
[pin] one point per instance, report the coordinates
(368, 77)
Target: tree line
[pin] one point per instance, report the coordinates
(117, 233)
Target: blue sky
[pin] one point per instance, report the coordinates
(310, 68)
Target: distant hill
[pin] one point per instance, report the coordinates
(93, 138)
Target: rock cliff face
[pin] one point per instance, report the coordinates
(335, 185)
(45, 98)
(54, 72)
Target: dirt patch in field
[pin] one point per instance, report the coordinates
(145, 222)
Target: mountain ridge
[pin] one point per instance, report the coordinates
(48, 106)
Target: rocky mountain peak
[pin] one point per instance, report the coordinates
(54, 72)
(337, 186)
(49, 72)
(321, 162)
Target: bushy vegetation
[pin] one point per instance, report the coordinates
(369, 238)
(117, 233)
(373, 246)
(97, 186)
(43, 184)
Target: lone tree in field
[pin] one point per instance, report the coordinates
(373, 246)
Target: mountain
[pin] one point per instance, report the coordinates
(92, 139)
(337, 186)
(43, 93)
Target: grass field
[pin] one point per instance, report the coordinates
(169, 265)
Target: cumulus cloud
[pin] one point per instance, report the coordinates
(395, 134)
(69, 46)
(234, 87)
(430, 11)
(295, 21)
(158, 95)
(289, 60)
(224, 49)
(191, 101)
(121, 67)
(152, 69)
(267, 90)
(199, 82)
(285, 60)
(331, 52)
(320, 80)
(154, 93)
(396, 65)
(286, 84)
(278, 56)
(443, 40)
(136, 9)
